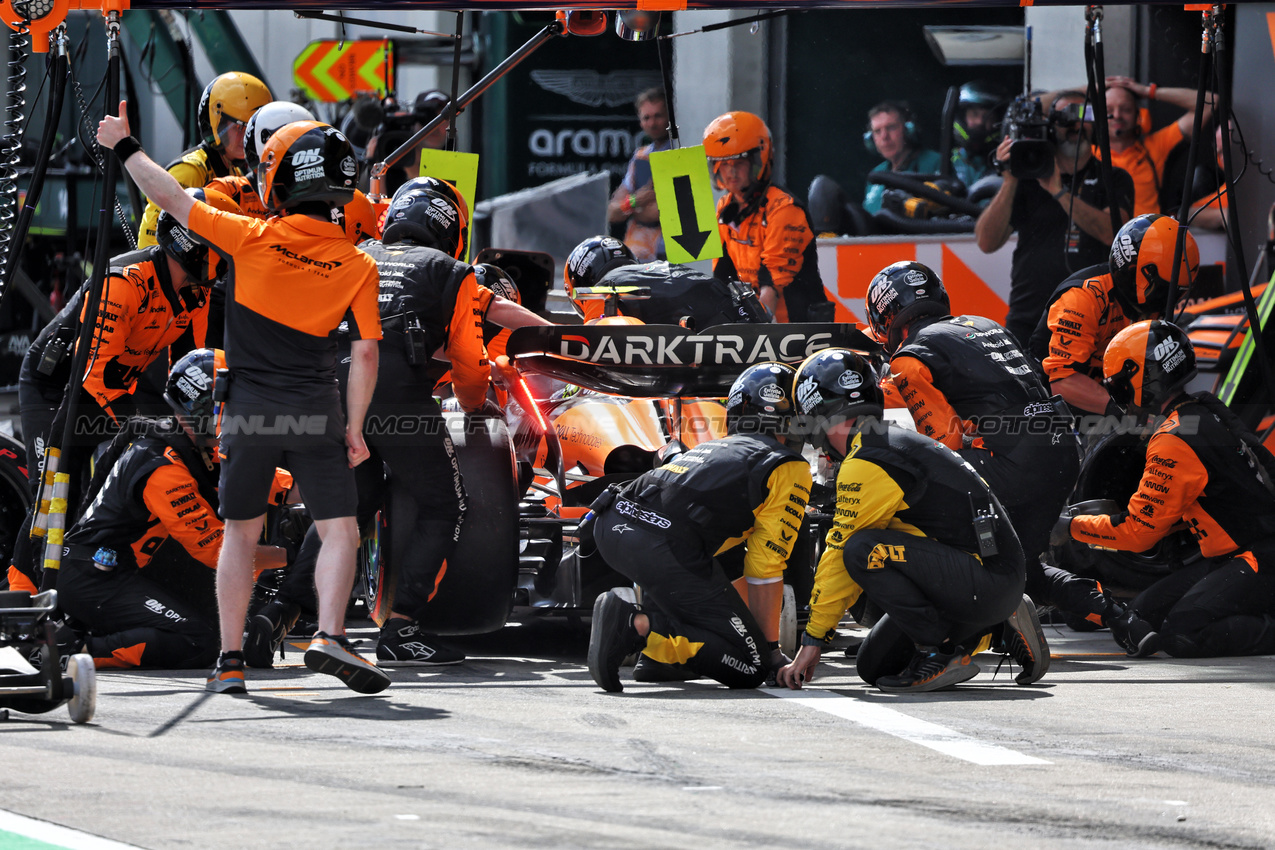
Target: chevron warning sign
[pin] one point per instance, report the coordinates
(331, 71)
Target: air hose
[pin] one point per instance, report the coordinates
(11, 144)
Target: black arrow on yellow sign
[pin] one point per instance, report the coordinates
(692, 238)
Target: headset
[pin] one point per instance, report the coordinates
(911, 130)
(1143, 126)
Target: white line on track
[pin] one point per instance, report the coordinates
(892, 722)
(58, 836)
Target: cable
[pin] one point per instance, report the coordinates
(87, 130)
(11, 145)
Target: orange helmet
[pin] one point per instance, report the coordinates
(360, 219)
(230, 98)
(1146, 364)
(1142, 263)
(739, 135)
(306, 161)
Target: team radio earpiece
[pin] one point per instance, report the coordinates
(911, 131)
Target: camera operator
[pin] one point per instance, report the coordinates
(1057, 203)
(1143, 154)
(397, 125)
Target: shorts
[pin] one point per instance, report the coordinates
(258, 438)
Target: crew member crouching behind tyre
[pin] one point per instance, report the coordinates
(665, 527)
(1204, 468)
(164, 485)
(916, 529)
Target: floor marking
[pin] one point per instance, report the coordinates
(892, 722)
(54, 835)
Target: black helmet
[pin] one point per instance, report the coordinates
(590, 261)
(760, 400)
(832, 386)
(985, 95)
(427, 219)
(498, 281)
(1146, 364)
(192, 255)
(189, 391)
(306, 161)
(433, 184)
(1142, 263)
(900, 293)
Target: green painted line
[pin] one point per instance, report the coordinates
(1232, 383)
(13, 841)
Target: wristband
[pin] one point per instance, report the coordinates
(1151, 91)
(126, 147)
(633, 204)
(809, 640)
(1058, 195)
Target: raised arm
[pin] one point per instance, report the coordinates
(156, 183)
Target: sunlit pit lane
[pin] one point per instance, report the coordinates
(517, 747)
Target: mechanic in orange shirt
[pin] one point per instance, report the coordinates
(1144, 155)
(1093, 305)
(767, 236)
(1206, 469)
(163, 486)
(293, 279)
(224, 109)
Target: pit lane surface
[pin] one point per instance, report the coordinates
(518, 748)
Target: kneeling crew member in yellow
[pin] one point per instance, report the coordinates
(916, 529)
(664, 528)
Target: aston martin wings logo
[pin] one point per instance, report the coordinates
(616, 88)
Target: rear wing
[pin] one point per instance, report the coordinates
(661, 361)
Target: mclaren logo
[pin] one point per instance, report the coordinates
(591, 88)
(720, 349)
(329, 265)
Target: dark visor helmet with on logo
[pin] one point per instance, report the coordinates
(306, 161)
(1146, 364)
(189, 391)
(428, 219)
(194, 257)
(900, 293)
(760, 400)
(832, 386)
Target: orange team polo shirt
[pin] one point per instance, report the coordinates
(292, 281)
(1144, 161)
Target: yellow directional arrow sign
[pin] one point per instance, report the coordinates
(456, 167)
(688, 216)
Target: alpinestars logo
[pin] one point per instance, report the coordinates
(309, 156)
(329, 265)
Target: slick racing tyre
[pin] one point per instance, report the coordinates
(1112, 469)
(885, 651)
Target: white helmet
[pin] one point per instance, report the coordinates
(264, 122)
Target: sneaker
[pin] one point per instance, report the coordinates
(648, 669)
(227, 676)
(1025, 642)
(403, 644)
(335, 656)
(931, 670)
(612, 636)
(266, 631)
(1138, 638)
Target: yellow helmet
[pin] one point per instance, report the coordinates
(234, 96)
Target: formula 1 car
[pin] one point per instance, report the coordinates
(646, 392)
